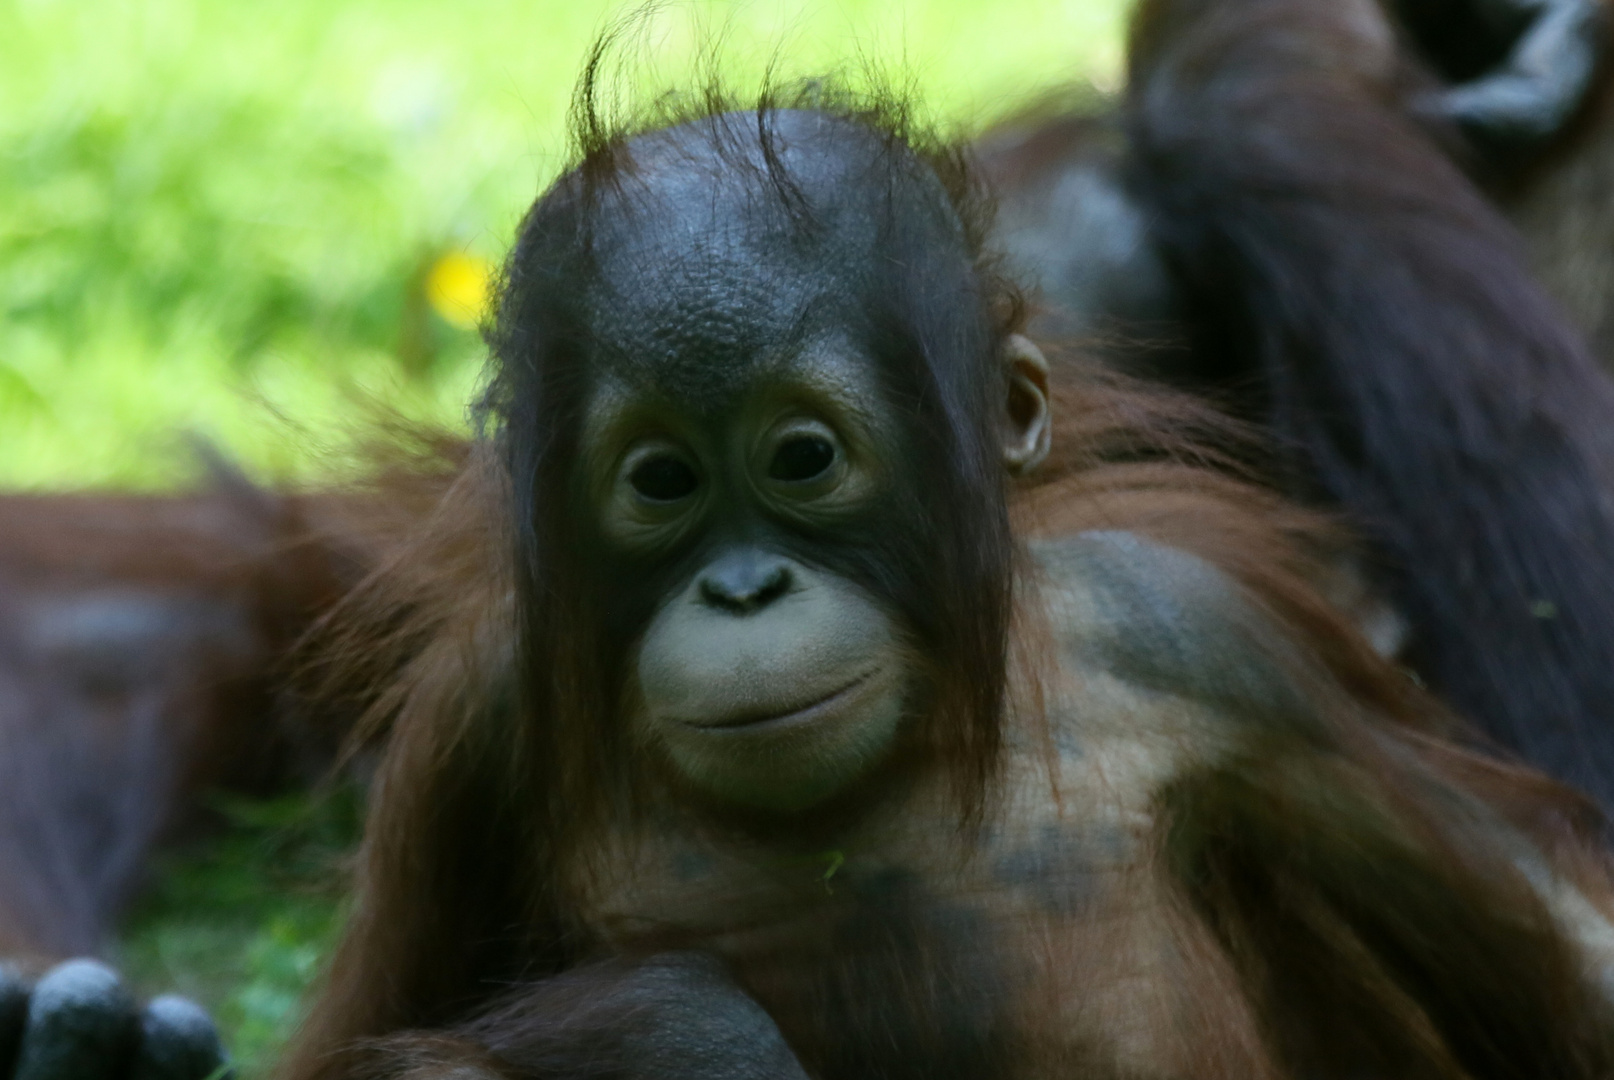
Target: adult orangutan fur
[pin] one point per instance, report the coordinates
(143, 646)
(1532, 95)
(1309, 255)
(143, 642)
(1174, 817)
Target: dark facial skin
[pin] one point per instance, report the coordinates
(742, 454)
(769, 681)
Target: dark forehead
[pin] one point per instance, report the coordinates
(739, 239)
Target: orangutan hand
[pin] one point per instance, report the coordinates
(78, 1022)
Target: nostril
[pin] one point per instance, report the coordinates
(744, 585)
(776, 585)
(715, 594)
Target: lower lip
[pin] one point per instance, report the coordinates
(806, 715)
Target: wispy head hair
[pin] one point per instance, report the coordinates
(615, 102)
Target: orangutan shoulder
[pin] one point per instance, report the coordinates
(1171, 628)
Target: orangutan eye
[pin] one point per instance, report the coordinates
(663, 478)
(801, 457)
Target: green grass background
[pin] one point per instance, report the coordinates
(217, 219)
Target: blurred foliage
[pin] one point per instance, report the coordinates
(226, 219)
(238, 220)
(239, 919)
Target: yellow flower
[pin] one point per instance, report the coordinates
(457, 287)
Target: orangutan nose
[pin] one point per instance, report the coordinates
(745, 581)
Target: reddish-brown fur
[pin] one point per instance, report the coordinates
(1338, 894)
(1315, 881)
(143, 642)
(1261, 849)
(1305, 251)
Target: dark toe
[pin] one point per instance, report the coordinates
(81, 1025)
(177, 1042)
(13, 1016)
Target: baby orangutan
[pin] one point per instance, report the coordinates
(790, 694)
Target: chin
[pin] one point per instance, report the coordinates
(793, 758)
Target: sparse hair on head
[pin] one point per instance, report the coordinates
(606, 116)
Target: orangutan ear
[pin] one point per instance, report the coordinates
(1028, 425)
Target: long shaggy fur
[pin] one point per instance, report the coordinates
(499, 776)
(1429, 384)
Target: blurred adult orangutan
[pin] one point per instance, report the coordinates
(1315, 260)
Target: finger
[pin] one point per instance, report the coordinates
(178, 1042)
(13, 1015)
(81, 1025)
(1537, 90)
